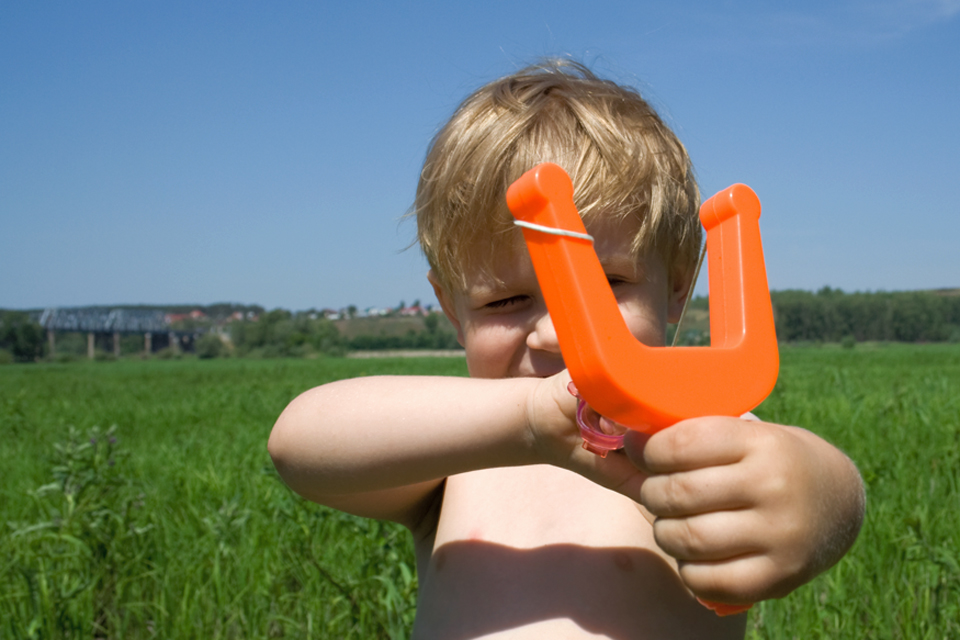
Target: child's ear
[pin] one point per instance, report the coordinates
(680, 287)
(446, 303)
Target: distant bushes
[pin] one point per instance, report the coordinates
(280, 333)
(211, 345)
(411, 340)
(431, 337)
(830, 315)
(21, 338)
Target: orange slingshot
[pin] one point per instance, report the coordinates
(648, 388)
(643, 387)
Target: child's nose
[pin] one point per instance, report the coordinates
(543, 336)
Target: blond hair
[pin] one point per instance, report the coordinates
(625, 164)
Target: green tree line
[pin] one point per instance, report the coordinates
(827, 315)
(280, 333)
(21, 337)
(431, 337)
(830, 315)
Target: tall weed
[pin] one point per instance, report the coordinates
(73, 559)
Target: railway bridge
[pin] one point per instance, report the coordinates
(115, 322)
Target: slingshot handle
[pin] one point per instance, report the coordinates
(644, 387)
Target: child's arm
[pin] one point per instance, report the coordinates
(751, 510)
(380, 447)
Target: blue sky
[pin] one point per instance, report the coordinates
(163, 152)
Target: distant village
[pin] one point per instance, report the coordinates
(346, 313)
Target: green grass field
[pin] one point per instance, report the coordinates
(138, 501)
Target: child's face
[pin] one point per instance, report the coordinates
(507, 332)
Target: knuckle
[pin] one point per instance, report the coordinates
(766, 439)
(684, 435)
(775, 488)
(694, 433)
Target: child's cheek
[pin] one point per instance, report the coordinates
(488, 351)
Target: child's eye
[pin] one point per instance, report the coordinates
(505, 302)
(615, 280)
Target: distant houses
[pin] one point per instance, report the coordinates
(196, 314)
(374, 312)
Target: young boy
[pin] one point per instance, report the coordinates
(519, 531)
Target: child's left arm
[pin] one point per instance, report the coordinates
(751, 510)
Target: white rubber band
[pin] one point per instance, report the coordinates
(553, 230)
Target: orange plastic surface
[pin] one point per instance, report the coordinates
(643, 387)
(724, 610)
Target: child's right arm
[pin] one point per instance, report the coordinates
(381, 447)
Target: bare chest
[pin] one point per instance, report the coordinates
(541, 552)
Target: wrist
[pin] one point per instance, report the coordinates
(550, 420)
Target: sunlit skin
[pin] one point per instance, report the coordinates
(520, 532)
(537, 551)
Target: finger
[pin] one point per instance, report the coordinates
(743, 580)
(689, 493)
(710, 537)
(691, 444)
(615, 471)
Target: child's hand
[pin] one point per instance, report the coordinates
(552, 424)
(552, 418)
(750, 510)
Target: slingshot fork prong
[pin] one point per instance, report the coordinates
(650, 387)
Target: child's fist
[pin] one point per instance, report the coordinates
(750, 510)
